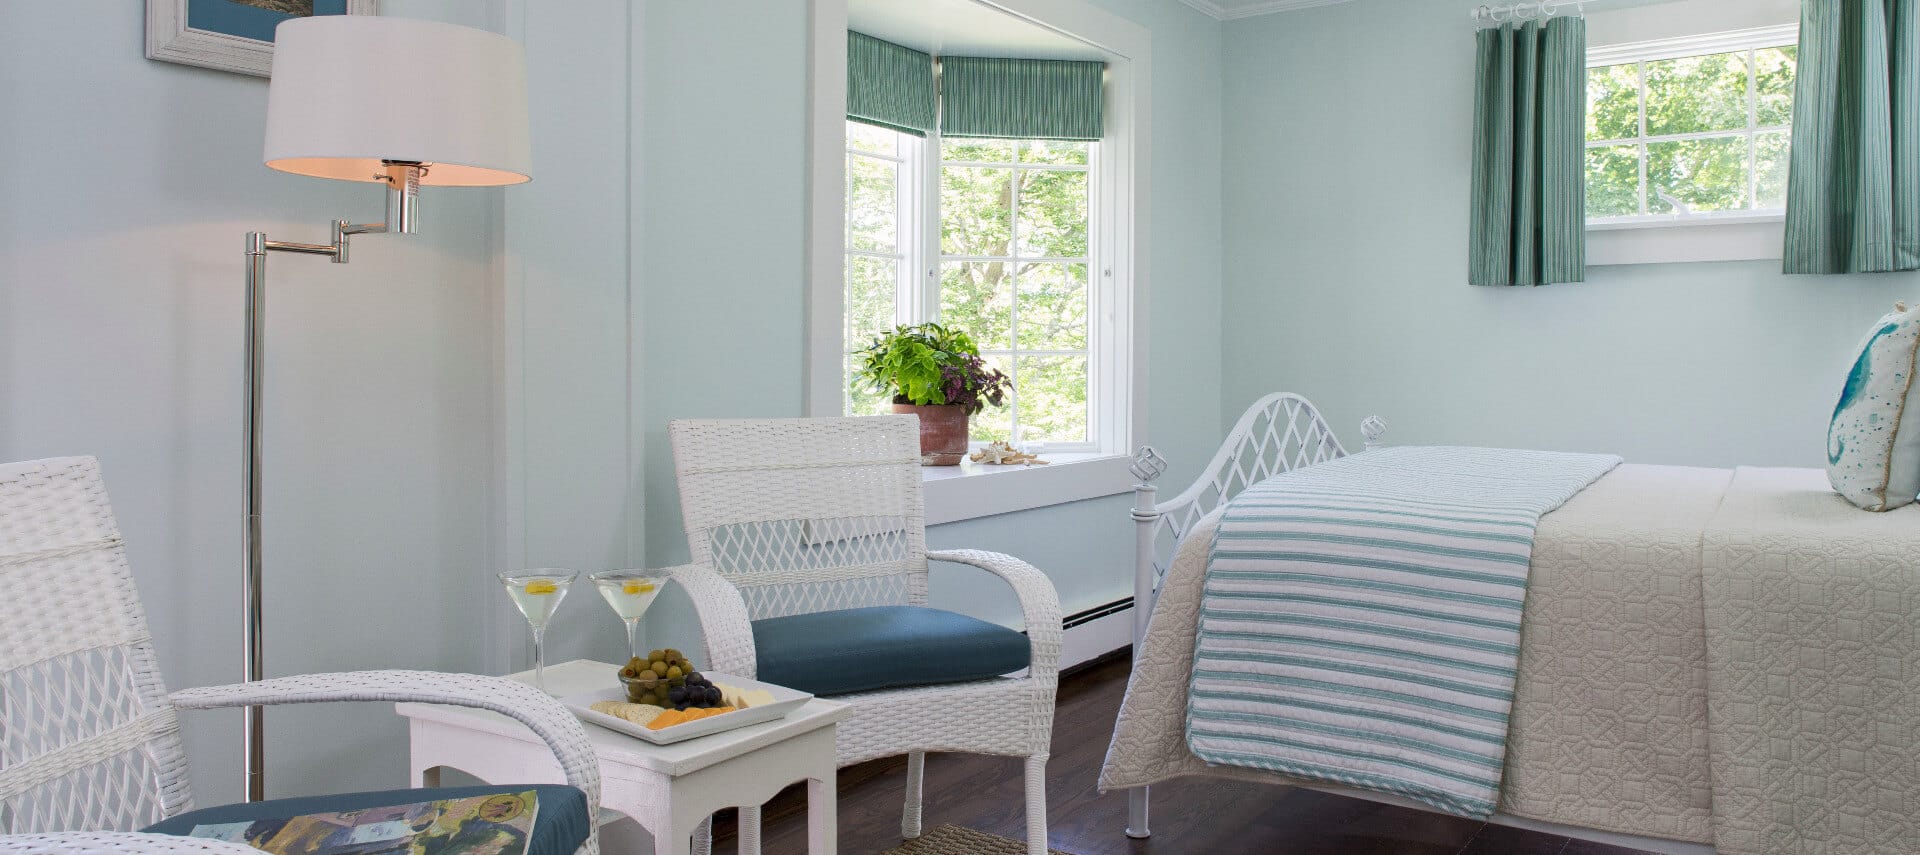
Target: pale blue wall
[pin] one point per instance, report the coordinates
(1347, 166)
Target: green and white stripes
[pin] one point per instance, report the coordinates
(889, 85)
(1036, 99)
(1853, 199)
(1361, 620)
(1529, 206)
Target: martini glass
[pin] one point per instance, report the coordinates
(538, 593)
(630, 592)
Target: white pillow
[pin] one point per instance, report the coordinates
(1873, 442)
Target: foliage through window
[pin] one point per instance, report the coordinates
(1005, 224)
(1670, 137)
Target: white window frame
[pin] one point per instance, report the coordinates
(1119, 271)
(1669, 238)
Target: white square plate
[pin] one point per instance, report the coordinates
(785, 700)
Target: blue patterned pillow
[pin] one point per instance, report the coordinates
(1873, 442)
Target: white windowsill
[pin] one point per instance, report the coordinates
(1669, 240)
(972, 490)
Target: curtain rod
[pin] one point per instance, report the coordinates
(1542, 10)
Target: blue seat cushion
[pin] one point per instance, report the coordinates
(559, 827)
(883, 647)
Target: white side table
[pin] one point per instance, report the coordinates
(668, 789)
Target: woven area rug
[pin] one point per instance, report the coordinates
(954, 840)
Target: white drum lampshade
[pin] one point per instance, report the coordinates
(351, 93)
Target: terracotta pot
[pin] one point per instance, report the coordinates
(943, 433)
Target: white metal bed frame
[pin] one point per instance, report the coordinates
(1279, 433)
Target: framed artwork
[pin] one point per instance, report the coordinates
(230, 35)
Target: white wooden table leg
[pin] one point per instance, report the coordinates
(670, 843)
(823, 833)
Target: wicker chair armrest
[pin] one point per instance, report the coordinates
(115, 843)
(1039, 602)
(726, 628)
(546, 717)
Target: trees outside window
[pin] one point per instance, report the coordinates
(1003, 234)
(1681, 136)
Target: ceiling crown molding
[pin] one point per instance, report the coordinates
(1227, 10)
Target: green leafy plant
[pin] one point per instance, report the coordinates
(931, 365)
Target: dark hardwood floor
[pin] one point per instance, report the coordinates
(1189, 816)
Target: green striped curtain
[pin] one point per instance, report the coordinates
(1529, 214)
(1039, 99)
(1853, 198)
(889, 85)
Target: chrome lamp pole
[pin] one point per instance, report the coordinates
(458, 117)
(403, 195)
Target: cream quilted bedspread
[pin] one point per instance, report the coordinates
(1813, 608)
(1813, 629)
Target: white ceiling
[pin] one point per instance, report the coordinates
(963, 28)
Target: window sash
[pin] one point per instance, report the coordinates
(1010, 355)
(920, 265)
(1746, 43)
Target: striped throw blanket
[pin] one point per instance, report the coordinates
(1361, 619)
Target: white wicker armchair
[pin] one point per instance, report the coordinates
(794, 516)
(89, 740)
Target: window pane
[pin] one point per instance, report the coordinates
(1053, 306)
(1053, 214)
(977, 296)
(979, 151)
(1773, 70)
(1054, 151)
(1613, 181)
(1703, 175)
(1053, 398)
(861, 399)
(870, 311)
(976, 211)
(872, 203)
(994, 423)
(1772, 168)
(1697, 93)
(870, 296)
(873, 138)
(1613, 102)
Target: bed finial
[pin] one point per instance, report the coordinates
(1373, 427)
(1147, 464)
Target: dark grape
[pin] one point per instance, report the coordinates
(713, 695)
(677, 694)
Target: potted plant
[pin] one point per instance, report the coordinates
(937, 374)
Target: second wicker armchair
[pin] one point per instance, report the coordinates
(799, 516)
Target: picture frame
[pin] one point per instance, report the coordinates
(226, 35)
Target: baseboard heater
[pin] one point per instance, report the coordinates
(1095, 632)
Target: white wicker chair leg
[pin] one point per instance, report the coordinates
(1037, 805)
(749, 830)
(910, 811)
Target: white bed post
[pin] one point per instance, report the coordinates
(1147, 465)
(1373, 428)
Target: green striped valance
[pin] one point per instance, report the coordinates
(889, 85)
(1041, 99)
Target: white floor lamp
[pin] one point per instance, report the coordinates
(395, 101)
